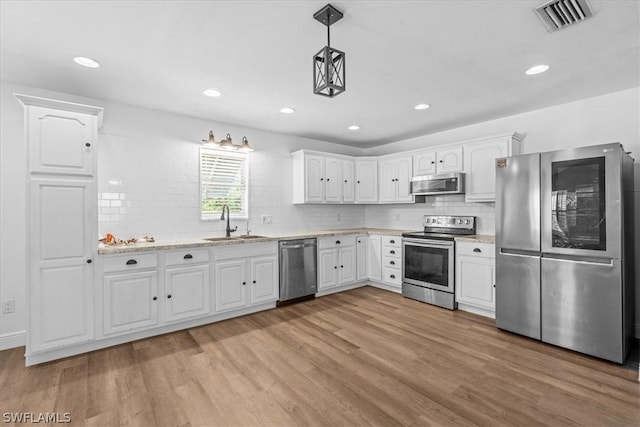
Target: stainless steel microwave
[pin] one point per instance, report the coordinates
(442, 183)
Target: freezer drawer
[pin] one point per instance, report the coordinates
(582, 306)
(518, 293)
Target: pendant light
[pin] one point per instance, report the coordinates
(328, 63)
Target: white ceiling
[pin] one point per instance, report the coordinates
(466, 58)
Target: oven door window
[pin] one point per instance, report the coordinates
(427, 264)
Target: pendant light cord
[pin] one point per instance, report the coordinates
(328, 29)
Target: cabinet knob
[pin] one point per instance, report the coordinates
(393, 276)
(89, 261)
(392, 252)
(87, 144)
(494, 285)
(359, 241)
(337, 242)
(358, 182)
(335, 267)
(342, 266)
(433, 163)
(244, 283)
(328, 179)
(169, 296)
(476, 250)
(392, 241)
(188, 256)
(392, 262)
(441, 161)
(345, 180)
(132, 262)
(154, 298)
(321, 179)
(254, 281)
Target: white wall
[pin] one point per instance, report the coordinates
(149, 160)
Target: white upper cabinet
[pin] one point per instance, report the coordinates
(395, 176)
(366, 180)
(348, 181)
(320, 178)
(479, 160)
(444, 160)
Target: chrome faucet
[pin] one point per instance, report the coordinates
(229, 230)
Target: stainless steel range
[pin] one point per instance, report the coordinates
(429, 258)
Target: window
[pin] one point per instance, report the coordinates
(223, 181)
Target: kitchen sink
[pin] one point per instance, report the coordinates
(250, 237)
(220, 239)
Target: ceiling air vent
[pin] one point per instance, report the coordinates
(557, 14)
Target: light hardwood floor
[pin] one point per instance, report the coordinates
(363, 357)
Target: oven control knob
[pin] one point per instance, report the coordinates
(467, 222)
(459, 221)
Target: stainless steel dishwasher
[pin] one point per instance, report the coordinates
(298, 276)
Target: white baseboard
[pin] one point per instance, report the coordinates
(12, 340)
(385, 287)
(341, 288)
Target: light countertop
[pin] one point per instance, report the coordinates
(234, 240)
(477, 238)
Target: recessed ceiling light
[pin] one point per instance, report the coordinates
(353, 127)
(287, 110)
(86, 62)
(537, 69)
(213, 93)
(422, 106)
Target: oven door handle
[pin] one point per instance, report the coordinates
(428, 243)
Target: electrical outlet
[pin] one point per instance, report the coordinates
(9, 306)
(266, 219)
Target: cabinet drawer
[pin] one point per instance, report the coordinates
(187, 256)
(336, 242)
(133, 261)
(392, 251)
(390, 261)
(486, 250)
(392, 276)
(394, 241)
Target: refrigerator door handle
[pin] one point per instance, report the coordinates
(580, 260)
(519, 253)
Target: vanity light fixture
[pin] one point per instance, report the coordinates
(86, 62)
(537, 69)
(227, 143)
(328, 63)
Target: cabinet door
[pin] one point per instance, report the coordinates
(449, 160)
(333, 179)
(264, 280)
(404, 169)
(362, 243)
(366, 181)
(347, 267)
(424, 163)
(61, 270)
(186, 292)
(314, 184)
(387, 187)
(475, 281)
(231, 285)
(327, 268)
(479, 161)
(130, 301)
(374, 258)
(348, 181)
(61, 141)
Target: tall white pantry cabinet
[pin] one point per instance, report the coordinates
(62, 221)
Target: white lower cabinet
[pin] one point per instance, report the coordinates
(336, 261)
(246, 275)
(475, 277)
(374, 258)
(186, 292)
(362, 243)
(130, 301)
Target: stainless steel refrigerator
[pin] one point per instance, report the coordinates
(564, 248)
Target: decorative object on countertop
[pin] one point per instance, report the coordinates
(328, 63)
(228, 144)
(112, 240)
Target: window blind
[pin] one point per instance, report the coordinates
(223, 181)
